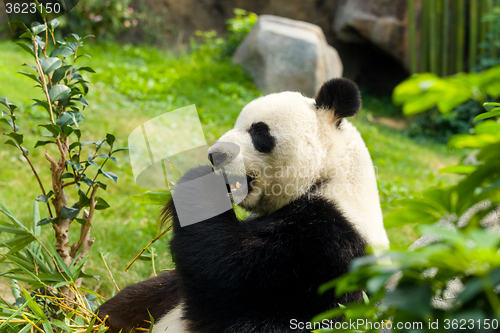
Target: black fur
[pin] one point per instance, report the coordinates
(341, 96)
(129, 308)
(247, 276)
(258, 274)
(262, 139)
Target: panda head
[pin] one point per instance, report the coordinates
(291, 143)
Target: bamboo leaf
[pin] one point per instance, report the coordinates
(16, 313)
(11, 230)
(40, 261)
(152, 198)
(7, 212)
(61, 325)
(47, 326)
(59, 261)
(33, 305)
(91, 325)
(17, 243)
(26, 328)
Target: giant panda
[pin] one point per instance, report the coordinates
(314, 206)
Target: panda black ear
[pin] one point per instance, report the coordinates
(341, 96)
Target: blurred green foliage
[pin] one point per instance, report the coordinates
(239, 27)
(422, 92)
(104, 19)
(451, 102)
(210, 44)
(461, 261)
(68, 186)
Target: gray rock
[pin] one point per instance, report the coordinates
(283, 54)
(378, 22)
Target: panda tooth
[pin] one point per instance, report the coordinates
(238, 185)
(233, 188)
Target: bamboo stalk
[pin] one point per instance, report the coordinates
(445, 38)
(453, 37)
(424, 37)
(460, 35)
(492, 30)
(412, 29)
(439, 35)
(473, 33)
(433, 49)
(488, 26)
(483, 5)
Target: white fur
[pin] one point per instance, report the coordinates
(172, 322)
(353, 185)
(309, 148)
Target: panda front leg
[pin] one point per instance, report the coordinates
(131, 307)
(233, 273)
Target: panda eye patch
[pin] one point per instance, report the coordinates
(262, 139)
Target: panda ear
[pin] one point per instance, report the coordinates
(341, 96)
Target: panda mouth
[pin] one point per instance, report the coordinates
(237, 184)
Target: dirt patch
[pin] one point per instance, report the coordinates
(5, 291)
(395, 123)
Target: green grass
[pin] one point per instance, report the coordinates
(134, 84)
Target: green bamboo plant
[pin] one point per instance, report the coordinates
(448, 37)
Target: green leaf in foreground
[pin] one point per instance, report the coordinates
(493, 113)
(17, 137)
(5, 101)
(69, 212)
(62, 51)
(70, 118)
(33, 305)
(59, 92)
(51, 64)
(27, 48)
(54, 129)
(101, 204)
(110, 175)
(47, 220)
(152, 198)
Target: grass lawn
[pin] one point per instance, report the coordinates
(133, 85)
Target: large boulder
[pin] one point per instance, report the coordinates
(284, 54)
(381, 23)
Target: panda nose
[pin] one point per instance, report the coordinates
(222, 154)
(217, 158)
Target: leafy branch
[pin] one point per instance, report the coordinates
(58, 269)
